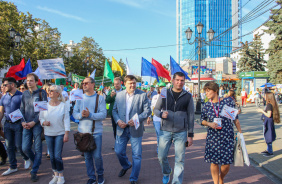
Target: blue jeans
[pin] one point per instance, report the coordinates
(55, 146)
(30, 136)
(97, 157)
(13, 137)
(269, 148)
(179, 140)
(157, 125)
(120, 149)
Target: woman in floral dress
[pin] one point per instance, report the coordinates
(220, 138)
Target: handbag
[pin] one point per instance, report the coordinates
(85, 142)
(238, 153)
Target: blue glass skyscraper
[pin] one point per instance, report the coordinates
(220, 15)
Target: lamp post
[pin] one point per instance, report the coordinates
(200, 40)
(15, 42)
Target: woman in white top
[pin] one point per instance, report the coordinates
(56, 124)
(157, 120)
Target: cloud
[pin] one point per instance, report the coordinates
(61, 14)
(131, 3)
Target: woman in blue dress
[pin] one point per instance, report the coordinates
(270, 116)
(220, 137)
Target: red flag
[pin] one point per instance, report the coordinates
(162, 72)
(14, 69)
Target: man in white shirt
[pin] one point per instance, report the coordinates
(136, 103)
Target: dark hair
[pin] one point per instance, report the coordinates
(117, 78)
(10, 80)
(270, 98)
(34, 75)
(129, 78)
(232, 94)
(212, 86)
(180, 74)
(91, 79)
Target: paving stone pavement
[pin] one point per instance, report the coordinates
(196, 170)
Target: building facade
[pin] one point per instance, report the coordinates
(220, 15)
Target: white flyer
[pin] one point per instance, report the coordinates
(136, 121)
(229, 112)
(164, 93)
(16, 115)
(40, 106)
(78, 94)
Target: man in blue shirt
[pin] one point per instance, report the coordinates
(12, 130)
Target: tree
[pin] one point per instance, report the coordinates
(257, 54)
(274, 63)
(39, 39)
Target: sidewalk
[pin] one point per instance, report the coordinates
(196, 170)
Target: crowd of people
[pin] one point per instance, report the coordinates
(172, 116)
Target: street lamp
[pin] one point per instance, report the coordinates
(200, 40)
(16, 39)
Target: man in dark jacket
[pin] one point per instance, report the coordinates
(177, 125)
(32, 128)
(111, 100)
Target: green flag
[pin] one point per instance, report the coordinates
(108, 71)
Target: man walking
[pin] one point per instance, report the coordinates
(13, 130)
(128, 103)
(177, 127)
(151, 93)
(111, 99)
(32, 128)
(84, 111)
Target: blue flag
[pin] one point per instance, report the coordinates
(174, 67)
(27, 69)
(148, 69)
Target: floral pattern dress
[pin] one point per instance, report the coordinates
(220, 142)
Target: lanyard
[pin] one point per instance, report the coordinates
(216, 113)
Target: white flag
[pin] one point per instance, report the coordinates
(93, 74)
(40, 106)
(136, 121)
(164, 93)
(37, 72)
(128, 69)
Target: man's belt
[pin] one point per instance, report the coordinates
(18, 121)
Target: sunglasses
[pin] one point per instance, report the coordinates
(22, 88)
(52, 91)
(86, 83)
(5, 85)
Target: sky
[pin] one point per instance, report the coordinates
(121, 24)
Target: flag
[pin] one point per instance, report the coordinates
(116, 66)
(129, 72)
(162, 72)
(148, 69)
(164, 93)
(93, 74)
(174, 67)
(26, 70)
(108, 71)
(14, 69)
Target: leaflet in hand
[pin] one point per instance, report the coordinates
(16, 115)
(229, 112)
(136, 121)
(40, 106)
(164, 93)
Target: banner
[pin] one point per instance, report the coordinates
(77, 78)
(229, 112)
(52, 68)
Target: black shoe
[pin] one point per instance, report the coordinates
(91, 181)
(82, 154)
(268, 155)
(34, 177)
(264, 152)
(123, 171)
(3, 162)
(48, 157)
(133, 182)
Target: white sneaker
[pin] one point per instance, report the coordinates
(61, 180)
(9, 171)
(27, 164)
(54, 180)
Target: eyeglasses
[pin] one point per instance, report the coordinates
(22, 88)
(52, 91)
(85, 83)
(5, 85)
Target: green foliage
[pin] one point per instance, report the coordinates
(274, 63)
(38, 39)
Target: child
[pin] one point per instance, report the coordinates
(270, 116)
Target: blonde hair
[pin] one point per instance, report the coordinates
(59, 90)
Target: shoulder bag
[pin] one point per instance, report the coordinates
(85, 142)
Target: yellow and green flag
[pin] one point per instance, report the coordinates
(116, 66)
